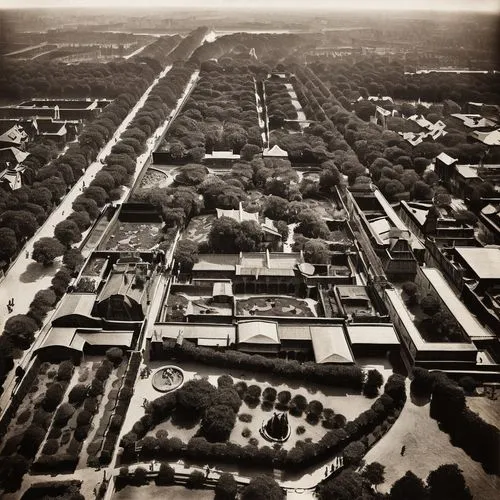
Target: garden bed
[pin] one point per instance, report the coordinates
(273, 306)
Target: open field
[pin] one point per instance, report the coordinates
(153, 492)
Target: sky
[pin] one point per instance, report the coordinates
(475, 5)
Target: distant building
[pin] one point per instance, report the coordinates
(275, 152)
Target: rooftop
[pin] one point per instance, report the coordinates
(330, 344)
(469, 323)
(447, 159)
(75, 303)
(372, 333)
(484, 262)
(258, 332)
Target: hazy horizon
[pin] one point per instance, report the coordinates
(384, 5)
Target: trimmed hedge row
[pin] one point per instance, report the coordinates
(338, 376)
(116, 421)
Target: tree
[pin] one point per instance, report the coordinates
(8, 243)
(73, 259)
(67, 232)
(12, 469)
(81, 219)
(422, 382)
(226, 487)
(22, 222)
(63, 414)
(31, 441)
(330, 177)
(196, 480)
(186, 254)
(77, 394)
(354, 452)
(53, 397)
(20, 330)
(45, 250)
(218, 422)
(248, 151)
(311, 225)
(228, 397)
(276, 208)
(316, 252)
(409, 487)
(223, 234)
(115, 355)
(348, 485)
(262, 488)
(195, 395)
(374, 381)
(166, 475)
(374, 472)
(140, 476)
(447, 483)
(65, 370)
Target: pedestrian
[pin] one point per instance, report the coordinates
(326, 471)
(12, 301)
(27, 254)
(403, 449)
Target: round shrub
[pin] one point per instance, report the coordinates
(53, 397)
(65, 370)
(253, 442)
(269, 394)
(312, 418)
(91, 405)
(83, 418)
(252, 395)
(23, 417)
(161, 434)
(245, 417)
(300, 430)
(42, 418)
(55, 433)
(195, 480)
(96, 388)
(102, 373)
(166, 475)
(315, 407)
(81, 432)
(115, 355)
(63, 414)
(246, 433)
(266, 405)
(51, 446)
(241, 388)
(284, 397)
(225, 381)
(195, 395)
(77, 394)
(116, 423)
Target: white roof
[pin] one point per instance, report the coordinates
(75, 303)
(485, 262)
(372, 333)
(467, 171)
(258, 332)
(222, 288)
(193, 331)
(330, 344)
(469, 323)
(275, 151)
(447, 159)
(488, 138)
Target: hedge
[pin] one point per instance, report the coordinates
(338, 376)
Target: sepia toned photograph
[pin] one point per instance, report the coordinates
(249, 250)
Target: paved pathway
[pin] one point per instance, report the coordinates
(26, 277)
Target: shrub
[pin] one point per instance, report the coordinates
(63, 414)
(245, 417)
(218, 422)
(81, 432)
(228, 397)
(91, 405)
(102, 373)
(32, 439)
(374, 381)
(77, 394)
(83, 418)
(468, 384)
(55, 433)
(96, 388)
(51, 446)
(269, 394)
(196, 480)
(225, 381)
(241, 388)
(315, 407)
(23, 417)
(195, 395)
(246, 433)
(300, 430)
(284, 397)
(267, 405)
(226, 487)
(115, 355)
(166, 475)
(354, 452)
(252, 395)
(140, 476)
(53, 397)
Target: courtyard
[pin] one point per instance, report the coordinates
(275, 306)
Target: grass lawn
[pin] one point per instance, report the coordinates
(152, 492)
(427, 447)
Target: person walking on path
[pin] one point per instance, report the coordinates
(403, 449)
